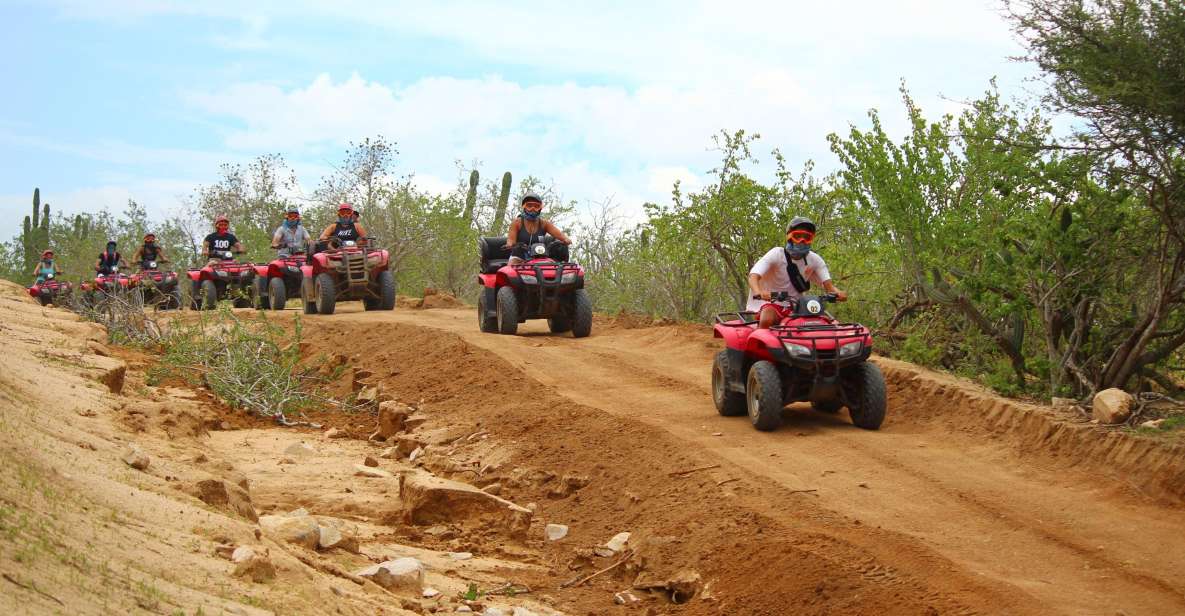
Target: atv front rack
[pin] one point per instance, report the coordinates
(840, 331)
(746, 318)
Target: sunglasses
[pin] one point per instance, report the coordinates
(802, 236)
(345, 212)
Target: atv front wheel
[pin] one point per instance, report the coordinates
(581, 314)
(865, 387)
(728, 403)
(507, 311)
(175, 298)
(485, 323)
(386, 290)
(277, 293)
(209, 295)
(763, 396)
(829, 406)
(559, 324)
(326, 294)
(306, 296)
(260, 300)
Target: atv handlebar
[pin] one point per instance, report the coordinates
(784, 296)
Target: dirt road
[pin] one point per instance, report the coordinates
(962, 507)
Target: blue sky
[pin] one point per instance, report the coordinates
(613, 100)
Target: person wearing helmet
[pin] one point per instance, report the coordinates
(346, 229)
(45, 267)
(291, 238)
(110, 261)
(150, 252)
(528, 228)
(221, 244)
(791, 269)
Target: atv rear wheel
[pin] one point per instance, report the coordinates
(260, 300)
(507, 311)
(728, 403)
(865, 387)
(43, 299)
(306, 296)
(581, 314)
(277, 293)
(326, 294)
(763, 396)
(559, 324)
(209, 295)
(386, 290)
(828, 406)
(485, 323)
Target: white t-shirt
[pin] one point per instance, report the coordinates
(772, 269)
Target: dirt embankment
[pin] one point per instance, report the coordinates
(962, 504)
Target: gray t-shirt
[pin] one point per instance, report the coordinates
(290, 239)
(772, 269)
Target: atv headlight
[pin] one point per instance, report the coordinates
(529, 278)
(568, 278)
(293, 268)
(797, 350)
(851, 349)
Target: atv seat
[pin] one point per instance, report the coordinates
(493, 253)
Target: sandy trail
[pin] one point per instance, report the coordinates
(1064, 540)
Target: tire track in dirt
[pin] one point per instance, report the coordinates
(968, 504)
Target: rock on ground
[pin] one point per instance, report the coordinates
(555, 532)
(366, 471)
(258, 568)
(302, 530)
(299, 449)
(427, 499)
(617, 543)
(136, 458)
(219, 493)
(1112, 406)
(398, 574)
(392, 418)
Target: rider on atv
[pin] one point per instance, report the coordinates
(45, 267)
(346, 229)
(772, 273)
(291, 237)
(109, 260)
(527, 228)
(149, 253)
(220, 243)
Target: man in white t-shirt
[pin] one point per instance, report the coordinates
(772, 273)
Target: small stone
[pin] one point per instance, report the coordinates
(398, 574)
(717, 434)
(1154, 424)
(223, 426)
(430, 592)
(287, 460)
(328, 537)
(301, 530)
(522, 611)
(242, 553)
(299, 449)
(1111, 406)
(223, 494)
(1060, 403)
(335, 433)
(392, 418)
(366, 471)
(200, 459)
(415, 454)
(460, 555)
(555, 532)
(136, 459)
(624, 597)
(258, 568)
(390, 453)
(370, 461)
(493, 611)
(617, 543)
(493, 488)
(603, 552)
(464, 609)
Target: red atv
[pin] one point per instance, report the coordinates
(809, 356)
(348, 271)
(279, 281)
(157, 287)
(545, 286)
(49, 290)
(226, 278)
(107, 283)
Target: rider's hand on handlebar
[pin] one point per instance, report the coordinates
(841, 296)
(763, 295)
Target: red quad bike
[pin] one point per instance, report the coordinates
(545, 286)
(808, 356)
(106, 283)
(348, 271)
(49, 290)
(279, 281)
(224, 279)
(156, 287)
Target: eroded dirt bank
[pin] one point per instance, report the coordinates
(962, 504)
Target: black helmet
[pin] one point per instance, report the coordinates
(801, 222)
(531, 196)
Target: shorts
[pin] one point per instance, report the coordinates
(782, 311)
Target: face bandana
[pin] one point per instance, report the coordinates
(291, 224)
(345, 220)
(529, 215)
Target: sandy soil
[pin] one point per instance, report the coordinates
(962, 503)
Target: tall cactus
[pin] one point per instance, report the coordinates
(471, 196)
(503, 199)
(35, 231)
